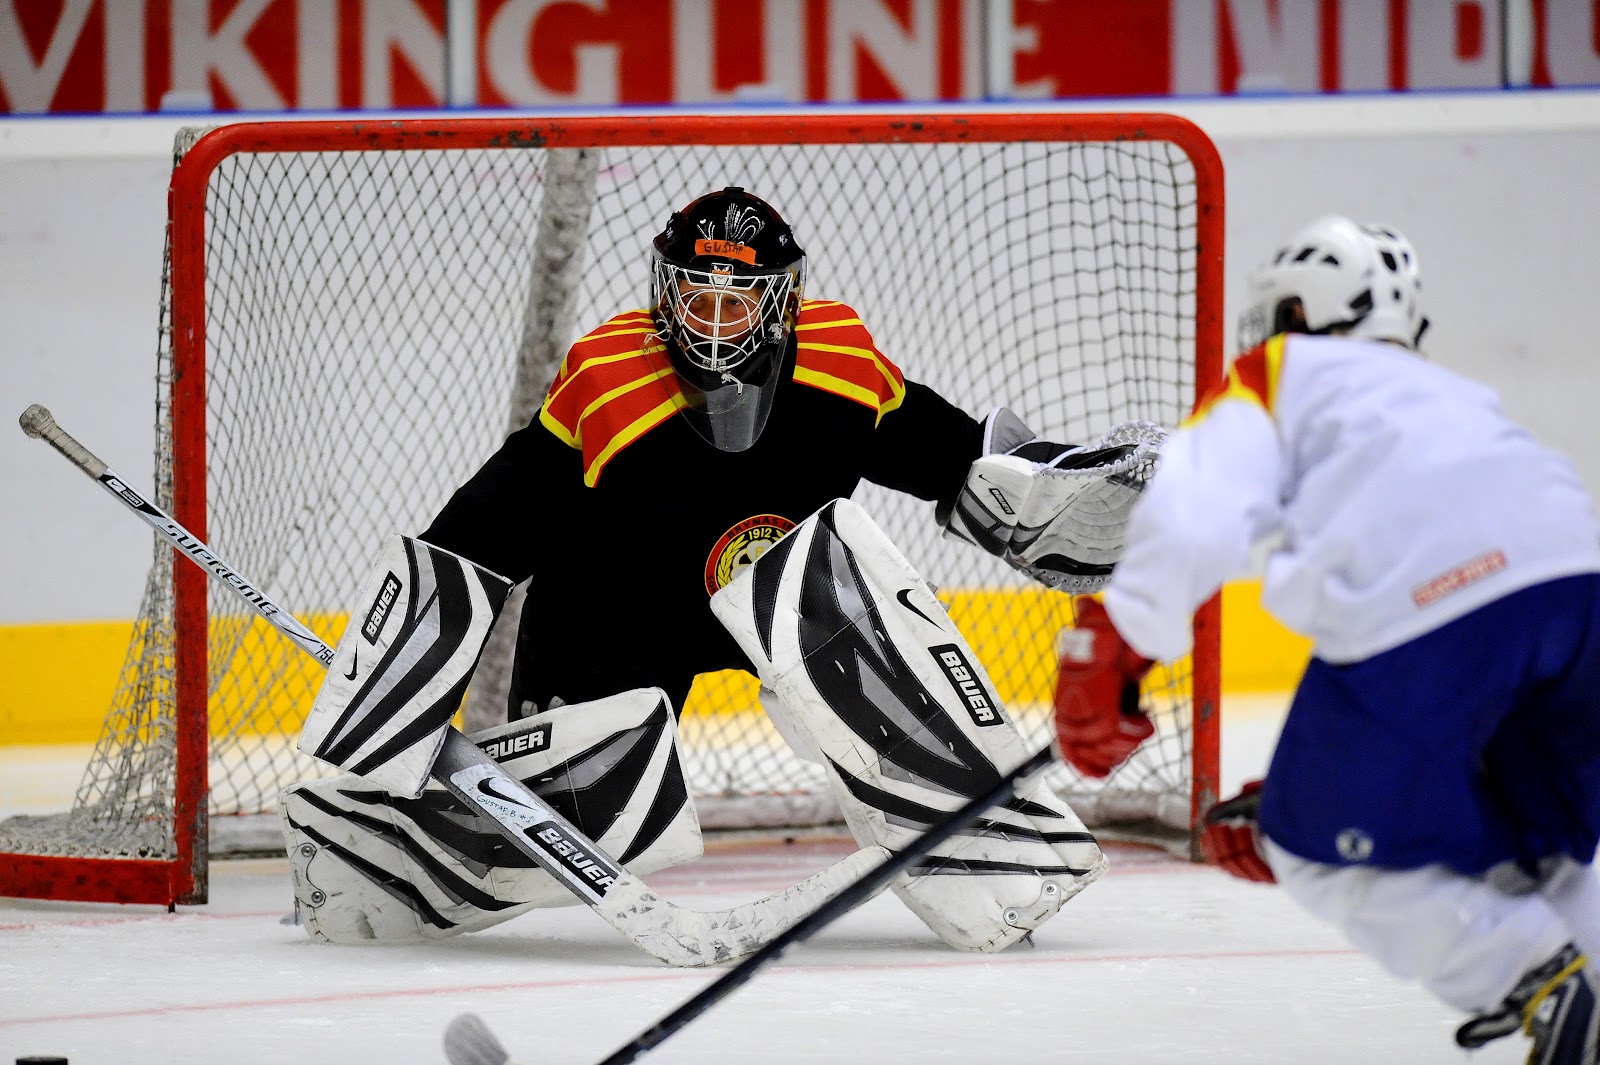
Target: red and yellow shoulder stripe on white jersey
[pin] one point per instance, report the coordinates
(1253, 378)
(610, 391)
(835, 353)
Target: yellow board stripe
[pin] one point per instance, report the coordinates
(60, 676)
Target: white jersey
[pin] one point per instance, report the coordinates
(1396, 497)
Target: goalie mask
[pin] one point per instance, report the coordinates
(1337, 275)
(725, 290)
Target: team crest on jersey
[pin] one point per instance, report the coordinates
(742, 545)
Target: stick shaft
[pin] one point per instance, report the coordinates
(168, 528)
(848, 899)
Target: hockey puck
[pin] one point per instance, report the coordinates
(41, 1059)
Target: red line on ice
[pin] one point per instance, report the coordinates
(684, 975)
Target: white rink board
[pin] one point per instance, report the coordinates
(1490, 187)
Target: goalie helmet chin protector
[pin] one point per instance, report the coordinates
(725, 290)
(1337, 275)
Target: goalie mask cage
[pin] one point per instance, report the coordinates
(355, 314)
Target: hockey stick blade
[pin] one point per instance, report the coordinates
(864, 888)
(668, 932)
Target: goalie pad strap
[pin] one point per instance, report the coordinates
(985, 511)
(403, 664)
(987, 507)
(915, 815)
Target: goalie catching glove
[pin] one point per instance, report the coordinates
(1230, 836)
(1057, 513)
(1098, 720)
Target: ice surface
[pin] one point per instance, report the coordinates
(1161, 961)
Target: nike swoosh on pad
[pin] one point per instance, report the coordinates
(483, 786)
(904, 595)
(355, 656)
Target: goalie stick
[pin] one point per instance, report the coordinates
(662, 929)
(469, 1041)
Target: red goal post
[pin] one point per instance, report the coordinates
(1068, 265)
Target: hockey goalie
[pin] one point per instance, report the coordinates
(678, 508)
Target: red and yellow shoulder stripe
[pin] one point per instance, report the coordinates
(835, 353)
(615, 384)
(1253, 378)
(610, 391)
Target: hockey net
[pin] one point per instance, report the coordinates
(355, 315)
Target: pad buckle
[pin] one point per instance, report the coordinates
(1040, 910)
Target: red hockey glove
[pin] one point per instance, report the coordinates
(1230, 836)
(1098, 720)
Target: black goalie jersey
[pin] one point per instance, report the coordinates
(627, 521)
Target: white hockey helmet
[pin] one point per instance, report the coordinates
(1336, 274)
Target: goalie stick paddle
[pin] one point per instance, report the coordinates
(469, 1041)
(662, 929)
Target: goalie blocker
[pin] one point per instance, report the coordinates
(873, 680)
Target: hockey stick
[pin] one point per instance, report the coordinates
(662, 929)
(468, 1040)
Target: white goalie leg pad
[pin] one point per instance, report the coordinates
(869, 666)
(403, 664)
(794, 733)
(369, 865)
